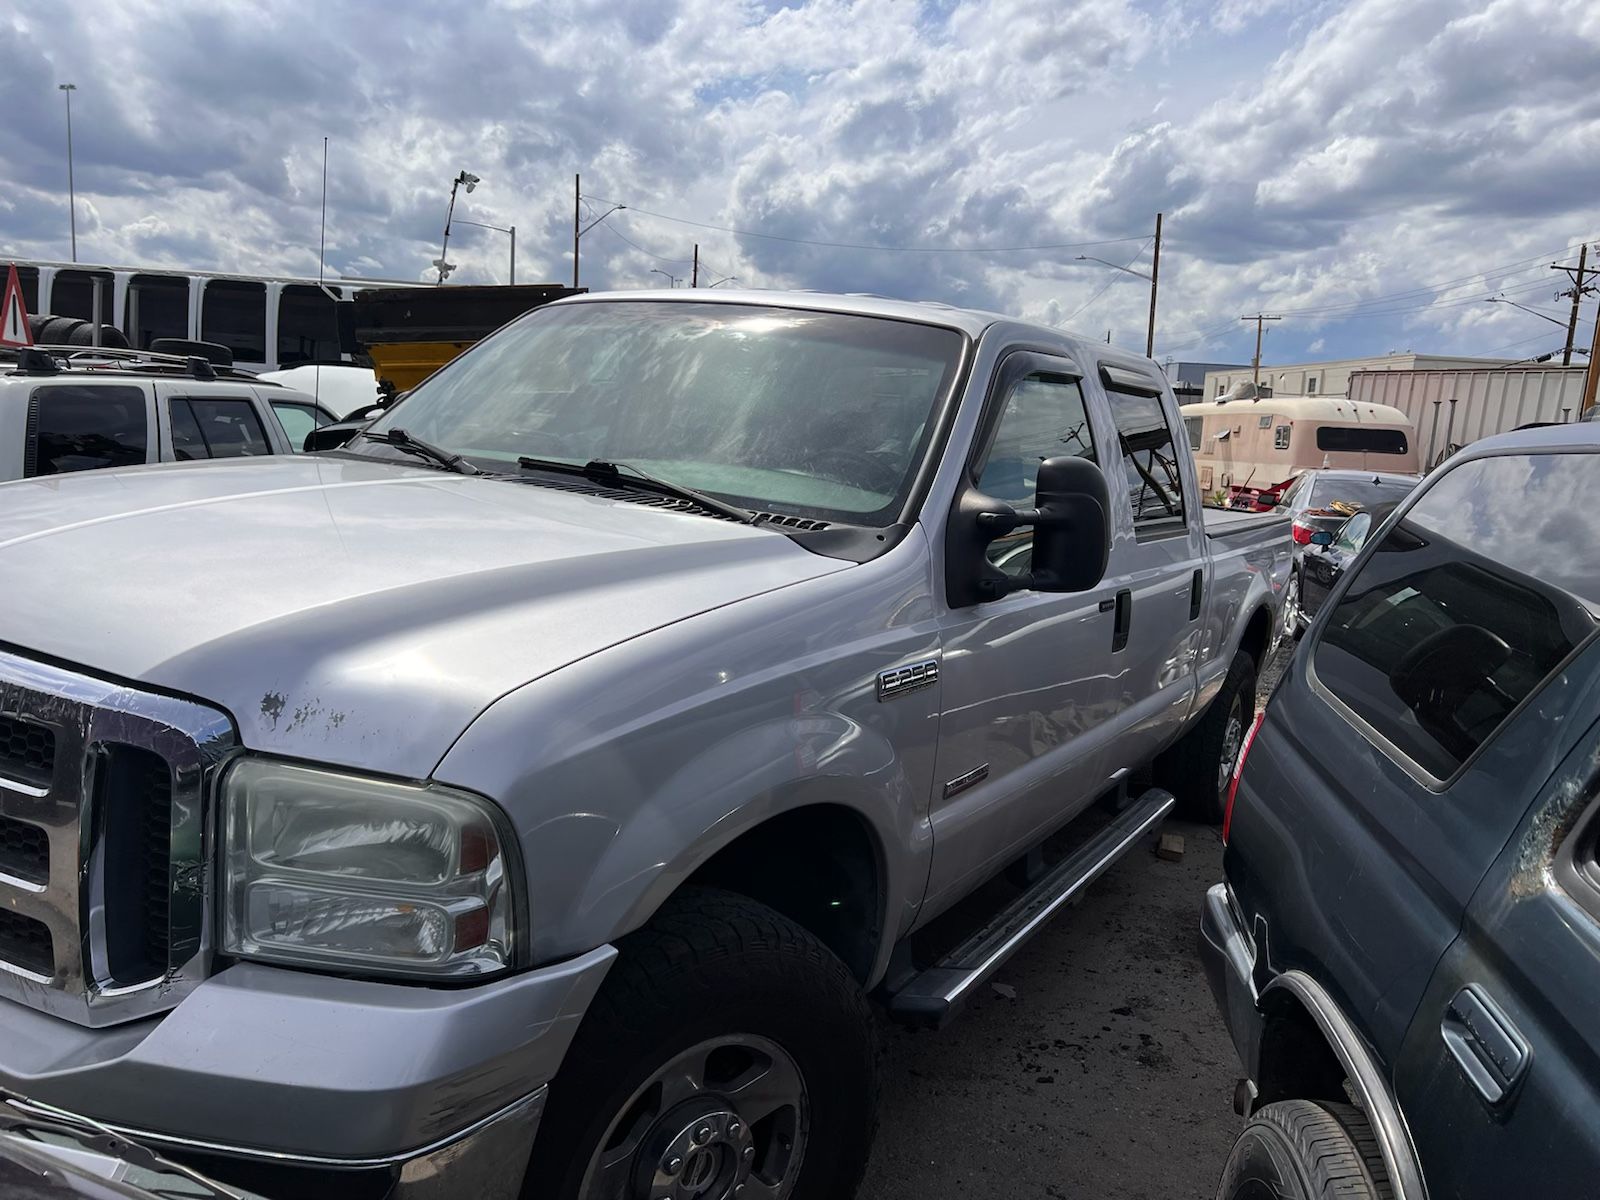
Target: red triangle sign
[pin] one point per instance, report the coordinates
(14, 330)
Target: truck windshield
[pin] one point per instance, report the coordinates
(815, 414)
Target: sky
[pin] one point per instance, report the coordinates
(1373, 171)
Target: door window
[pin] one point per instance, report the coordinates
(158, 307)
(1150, 463)
(234, 314)
(308, 329)
(1044, 417)
(81, 428)
(72, 295)
(1280, 438)
(1468, 605)
(297, 420)
(203, 428)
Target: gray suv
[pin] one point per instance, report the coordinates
(1406, 947)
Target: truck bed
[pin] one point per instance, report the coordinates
(1235, 524)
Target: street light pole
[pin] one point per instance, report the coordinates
(512, 230)
(470, 181)
(578, 230)
(72, 191)
(672, 280)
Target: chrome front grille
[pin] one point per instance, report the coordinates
(103, 865)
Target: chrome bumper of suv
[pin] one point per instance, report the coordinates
(103, 880)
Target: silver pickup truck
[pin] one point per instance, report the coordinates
(531, 793)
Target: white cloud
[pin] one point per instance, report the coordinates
(1361, 150)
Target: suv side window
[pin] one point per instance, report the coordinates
(206, 428)
(1044, 417)
(1150, 462)
(1468, 605)
(72, 428)
(298, 420)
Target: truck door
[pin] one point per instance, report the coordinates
(1022, 678)
(1157, 570)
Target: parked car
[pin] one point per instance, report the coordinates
(1328, 556)
(550, 773)
(1324, 500)
(1406, 945)
(75, 409)
(338, 387)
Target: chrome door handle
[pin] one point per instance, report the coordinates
(1488, 1048)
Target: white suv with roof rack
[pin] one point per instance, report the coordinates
(73, 408)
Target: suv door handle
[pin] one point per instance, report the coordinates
(1488, 1048)
(1124, 620)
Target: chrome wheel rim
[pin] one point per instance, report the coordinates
(726, 1118)
(1291, 606)
(1232, 739)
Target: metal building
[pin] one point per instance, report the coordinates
(1454, 407)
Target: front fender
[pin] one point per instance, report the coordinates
(625, 772)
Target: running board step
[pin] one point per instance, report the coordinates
(935, 995)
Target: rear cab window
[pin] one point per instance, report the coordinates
(83, 427)
(1468, 605)
(1149, 452)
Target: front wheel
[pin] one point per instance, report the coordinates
(1303, 1150)
(728, 1053)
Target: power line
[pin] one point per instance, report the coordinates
(778, 237)
(614, 231)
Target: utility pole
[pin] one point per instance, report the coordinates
(577, 212)
(1255, 363)
(694, 273)
(1577, 292)
(72, 191)
(1155, 276)
(1593, 377)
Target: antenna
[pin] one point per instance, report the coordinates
(322, 256)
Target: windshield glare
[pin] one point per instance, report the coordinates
(804, 413)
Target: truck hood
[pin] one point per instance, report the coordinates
(351, 612)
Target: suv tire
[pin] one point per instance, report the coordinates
(1197, 770)
(721, 985)
(1306, 1150)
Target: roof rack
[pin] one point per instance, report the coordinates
(91, 358)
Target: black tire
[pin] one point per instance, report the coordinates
(708, 965)
(1305, 1150)
(1192, 769)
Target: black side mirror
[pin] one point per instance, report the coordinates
(1071, 535)
(1322, 537)
(331, 437)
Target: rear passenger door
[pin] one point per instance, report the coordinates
(85, 426)
(1156, 570)
(201, 426)
(1499, 1077)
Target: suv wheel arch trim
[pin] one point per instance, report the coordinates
(1372, 1093)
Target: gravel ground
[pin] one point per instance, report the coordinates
(1099, 1068)
(1108, 1074)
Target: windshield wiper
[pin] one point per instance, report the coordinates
(612, 473)
(401, 440)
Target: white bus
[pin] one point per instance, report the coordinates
(266, 321)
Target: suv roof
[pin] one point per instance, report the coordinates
(48, 361)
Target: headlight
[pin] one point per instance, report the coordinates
(331, 870)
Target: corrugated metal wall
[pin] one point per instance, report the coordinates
(1487, 401)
